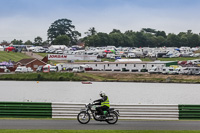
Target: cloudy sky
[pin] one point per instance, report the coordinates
(27, 19)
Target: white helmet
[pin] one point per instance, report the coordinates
(102, 93)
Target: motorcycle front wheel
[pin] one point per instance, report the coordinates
(83, 117)
(112, 118)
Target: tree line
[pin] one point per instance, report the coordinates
(147, 37)
(62, 32)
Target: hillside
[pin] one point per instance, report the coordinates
(6, 56)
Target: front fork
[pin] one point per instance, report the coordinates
(86, 112)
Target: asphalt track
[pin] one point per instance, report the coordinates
(94, 125)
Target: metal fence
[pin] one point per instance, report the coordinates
(127, 111)
(154, 112)
(25, 110)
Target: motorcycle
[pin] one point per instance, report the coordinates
(110, 115)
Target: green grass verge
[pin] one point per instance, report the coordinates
(41, 77)
(172, 59)
(94, 131)
(5, 56)
(100, 77)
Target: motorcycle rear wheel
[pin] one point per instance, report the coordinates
(114, 119)
(83, 117)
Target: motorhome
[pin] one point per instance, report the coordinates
(110, 56)
(155, 70)
(168, 70)
(193, 70)
(184, 71)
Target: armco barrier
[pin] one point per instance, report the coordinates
(154, 112)
(189, 112)
(70, 110)
(25, 110)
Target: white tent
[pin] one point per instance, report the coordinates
(1, 48)
(56, 47)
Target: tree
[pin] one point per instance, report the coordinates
(61, 40)
(63, 27)
(148, 30)
(160, 41)
(45, 43)
(116, 39)
(91, 32)
(161, 33)
(28, 43)
(99, 40)
(140, 39)
(194, 40)
(38, 41)
(4, 42)
(17, 42)
(115, 31)
(173, 40)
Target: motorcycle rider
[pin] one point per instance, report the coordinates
(104, 102)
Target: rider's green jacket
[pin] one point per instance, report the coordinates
(104, 101)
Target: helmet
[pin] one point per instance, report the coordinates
(102, 93)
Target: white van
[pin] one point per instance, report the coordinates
(30, 70)
(21, 70)
(131, 55)
(155, 70)
(78, 69)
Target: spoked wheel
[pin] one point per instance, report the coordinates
(112, 118)
(83, 117)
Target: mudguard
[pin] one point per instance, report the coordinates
(114, 111)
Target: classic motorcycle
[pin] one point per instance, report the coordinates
(110, 115)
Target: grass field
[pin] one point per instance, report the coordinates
(42, 54)
(4, 56)
(94, 131)
(102, 77)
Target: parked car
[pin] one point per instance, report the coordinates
(58, 52)
(4, 69)
(42, 50)
(50, 51)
